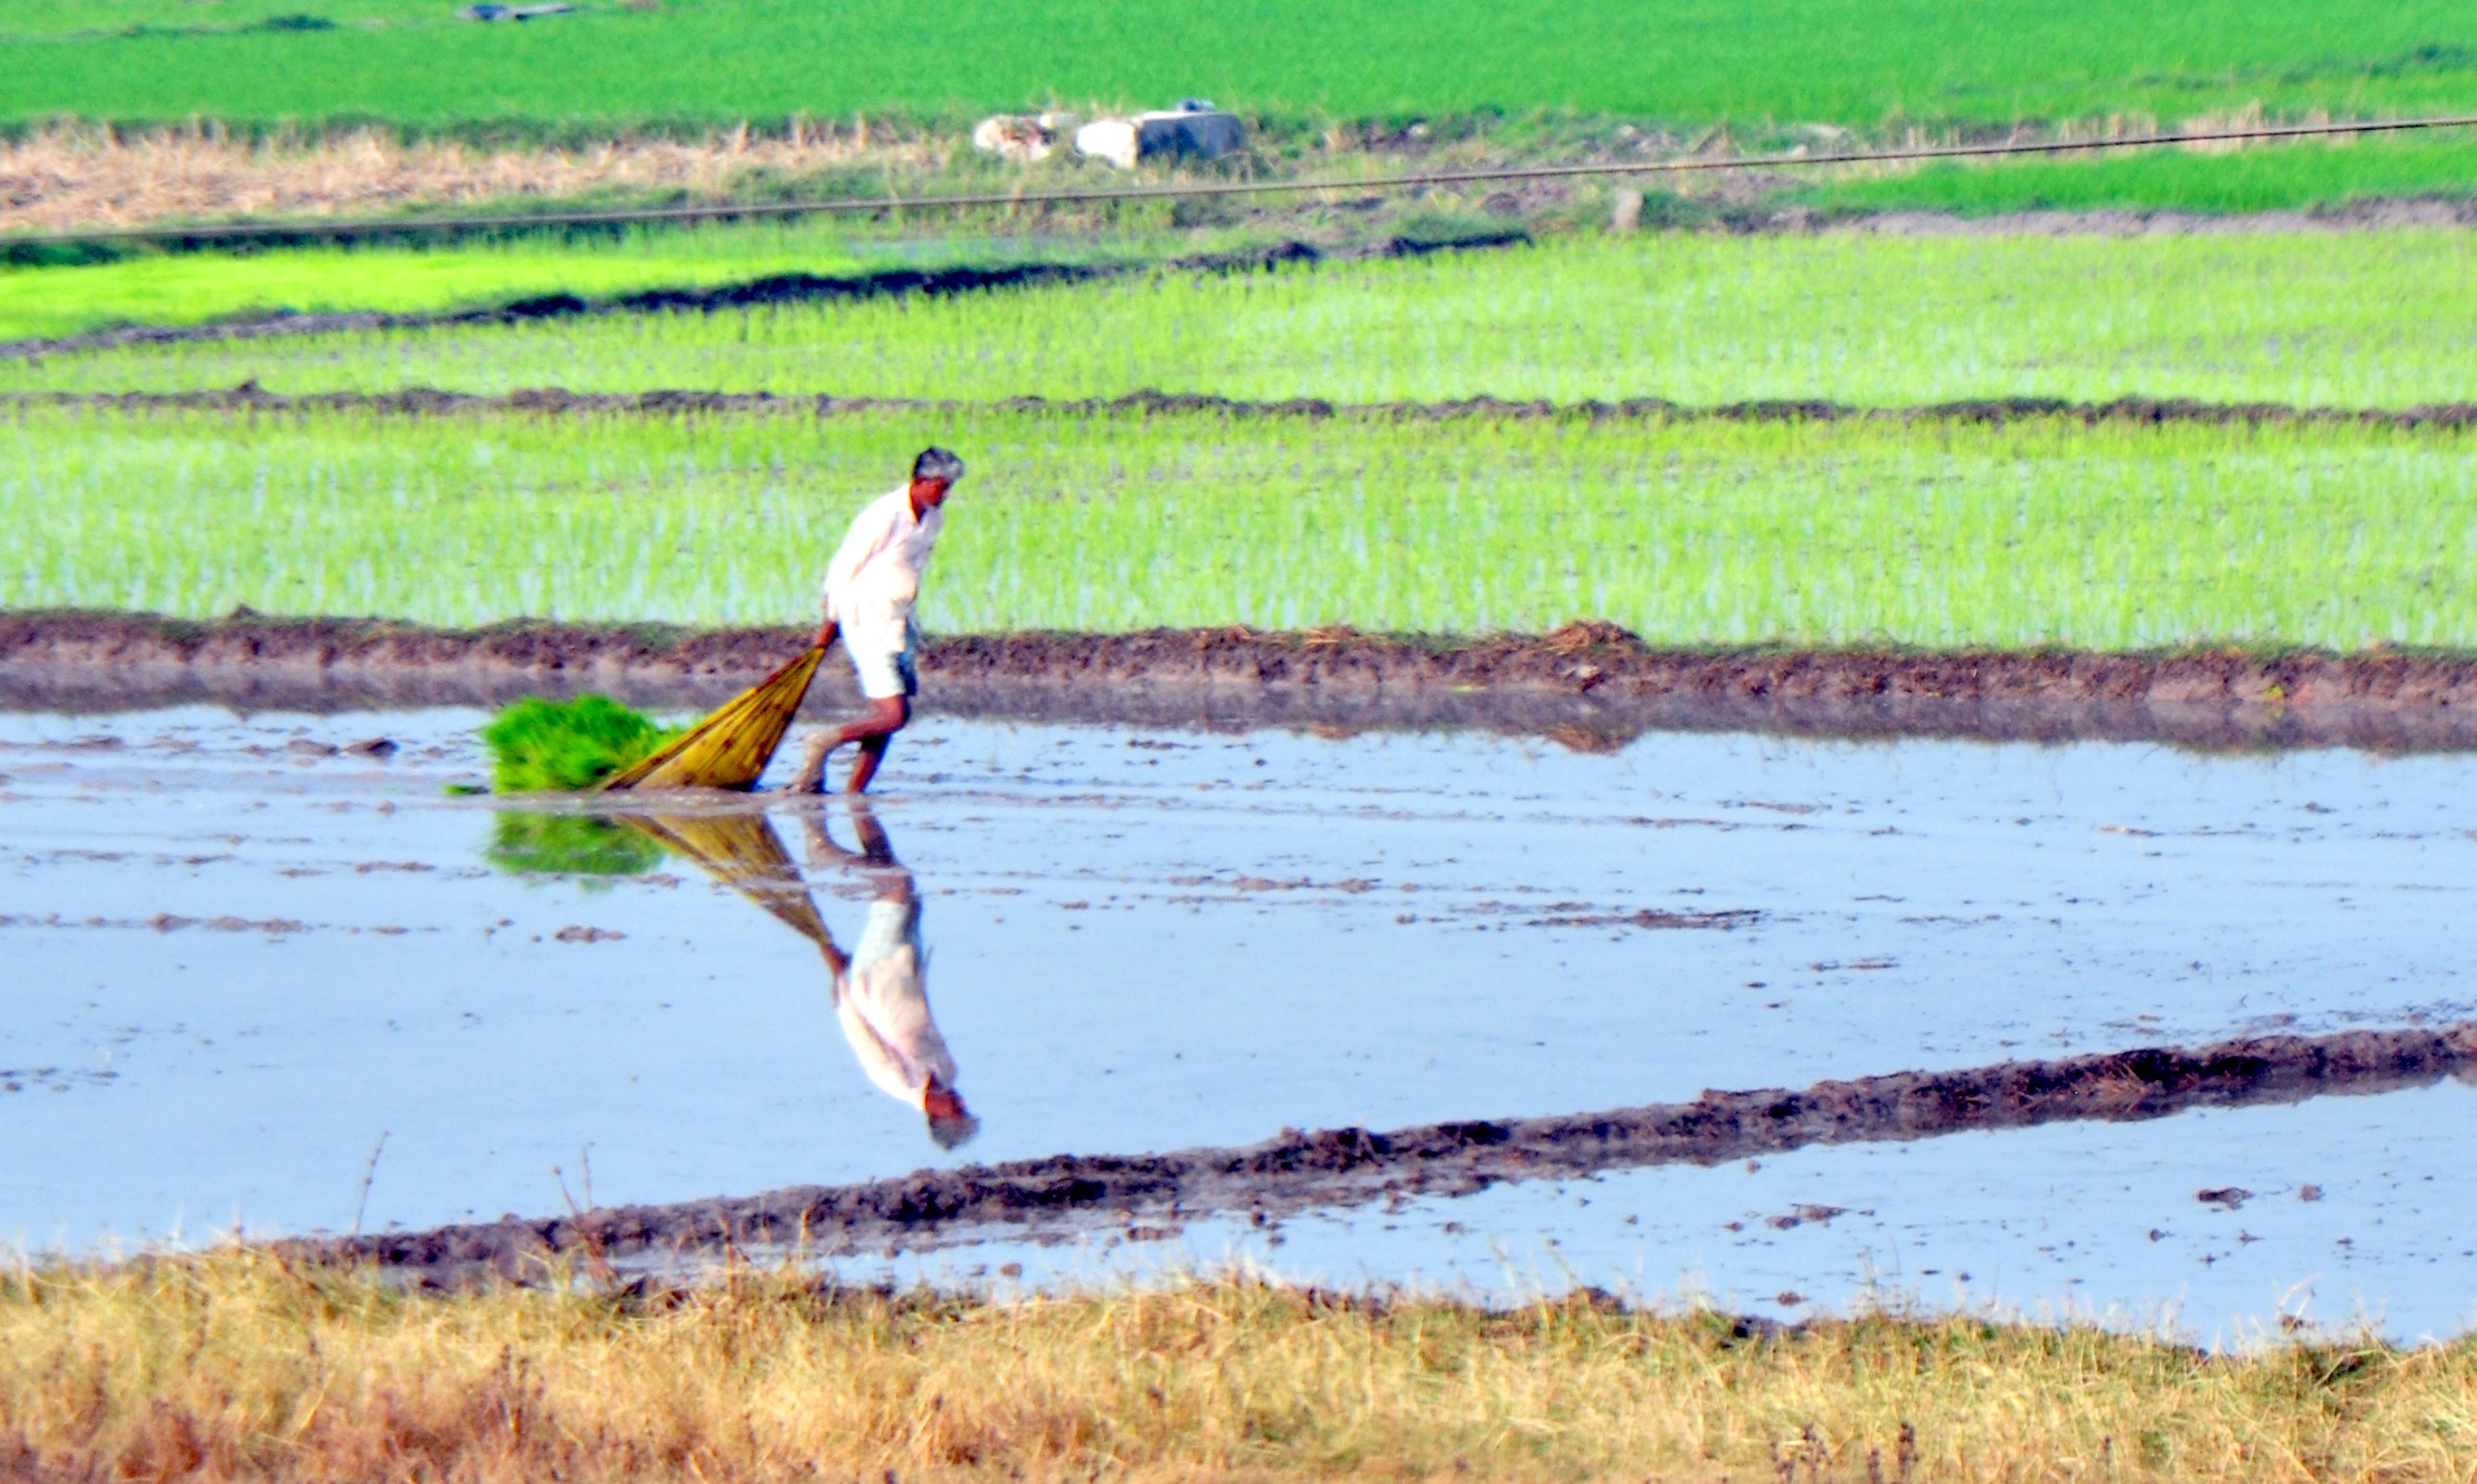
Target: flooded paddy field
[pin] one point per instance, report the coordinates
(262, 979)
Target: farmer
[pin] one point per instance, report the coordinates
(871, 586)
(881, 999)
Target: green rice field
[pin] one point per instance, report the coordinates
(1694, 533)
(1850, 62)
(2287, 177)
(139, 286)
(2380, 318)
(192, 288)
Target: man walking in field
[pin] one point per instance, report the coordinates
(872, 585)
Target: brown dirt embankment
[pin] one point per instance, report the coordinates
(1990, 412)
(1293, 1171)
(1587, 685)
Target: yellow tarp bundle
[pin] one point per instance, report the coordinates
(730, 748)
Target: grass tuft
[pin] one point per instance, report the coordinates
(539, 746)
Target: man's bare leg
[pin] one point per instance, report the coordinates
(886, 717)
(872, 752)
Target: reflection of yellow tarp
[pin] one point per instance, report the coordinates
(879, 999)
(743, 853)
(730, 748)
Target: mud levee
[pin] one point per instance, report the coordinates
(1589, 687)
(1988, 411)
(1294, 1172)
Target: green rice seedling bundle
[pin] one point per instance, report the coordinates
(1699, 532)
(2374, 318)
(538, 745)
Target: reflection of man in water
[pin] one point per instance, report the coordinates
(879, 997)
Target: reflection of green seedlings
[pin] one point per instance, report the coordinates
(538, 745)
(570, 845)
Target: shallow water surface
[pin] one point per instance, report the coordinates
(242, 965)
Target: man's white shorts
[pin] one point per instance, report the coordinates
(885, 673)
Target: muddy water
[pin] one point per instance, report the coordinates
(242, 962)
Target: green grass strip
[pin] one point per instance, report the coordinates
(2356, 319)
(2044, 532)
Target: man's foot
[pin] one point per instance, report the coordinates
(811, 776)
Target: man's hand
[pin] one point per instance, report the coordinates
(827, 630)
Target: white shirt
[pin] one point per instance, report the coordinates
(874, 580)
(885, 1009)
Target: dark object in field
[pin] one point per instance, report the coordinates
(487, 12)
(1194, 128)
(1067, 1194)
(372, 747)
(2227, 1197)
(539, 746)
(730, 748)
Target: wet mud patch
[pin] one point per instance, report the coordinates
(1590, 686)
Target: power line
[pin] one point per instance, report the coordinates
(378, 226)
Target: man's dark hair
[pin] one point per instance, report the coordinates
(937, 463)
(954, 1132)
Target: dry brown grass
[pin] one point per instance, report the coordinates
(75, 177)
(235, 1365)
